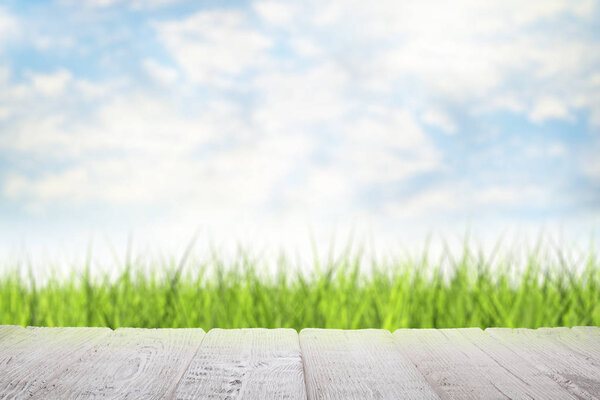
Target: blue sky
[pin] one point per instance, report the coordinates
(260, 121)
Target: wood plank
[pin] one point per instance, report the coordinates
(39, 354)
(588, 330)
(585, 344)
(459, 369)
(9, 334)
(138, 363)
(445, 366)
(7, 331)
(533, 382)
(556, 363)
(245, 364)
(579, 376)
(591, 333)
(361, 364)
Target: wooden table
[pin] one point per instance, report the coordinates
(65, 363)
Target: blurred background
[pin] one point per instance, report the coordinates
(333, 164)
(269, 124)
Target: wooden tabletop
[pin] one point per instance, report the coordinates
(498, 363)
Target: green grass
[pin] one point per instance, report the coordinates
(540, 289)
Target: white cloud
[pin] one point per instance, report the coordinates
(592, 169)
(159, 73)
(493, 55)
(466, 201)
(589, 162)
(387, 147)
(140, 150)
(101, 3)
(435, 17)
(134, 122)
(319, 189)
(292, 101)
(5, 112)
(129, 180)
(546, 150)
(440, 120)
(213, 47)
(5, 74)
(508, 196)
(438, 200)
(452, 68)
(306, 47)
(556, 150)
(134, 4)
(502, 102)
(404, 46)
(144, 4)
(275, 12)
(44, 42)
(254, 159)
(51, 84)
(91, 90)
(370, 143)
(549, 108)
(222, 185)
(9, 27)
(296, 112)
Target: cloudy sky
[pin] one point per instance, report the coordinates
(266, 120)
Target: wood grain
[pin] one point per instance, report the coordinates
(7, 331)
(584, 343)
(459, 369)
(9, 334)
(592, 331)
(578, 375)
(129, 363)
(500, 363)
(531, 382)
(362, 364)
(36, 355)
(245, 364)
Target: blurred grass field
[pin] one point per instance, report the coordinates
(543, 288)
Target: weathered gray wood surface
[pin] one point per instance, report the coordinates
(586, 343)
(245, 364)
(30, 357)
(144, 363)
(363, 364)
(498, 363)
(537, 384)
(578, 374)
(455, 366)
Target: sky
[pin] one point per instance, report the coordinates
(268, 122)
